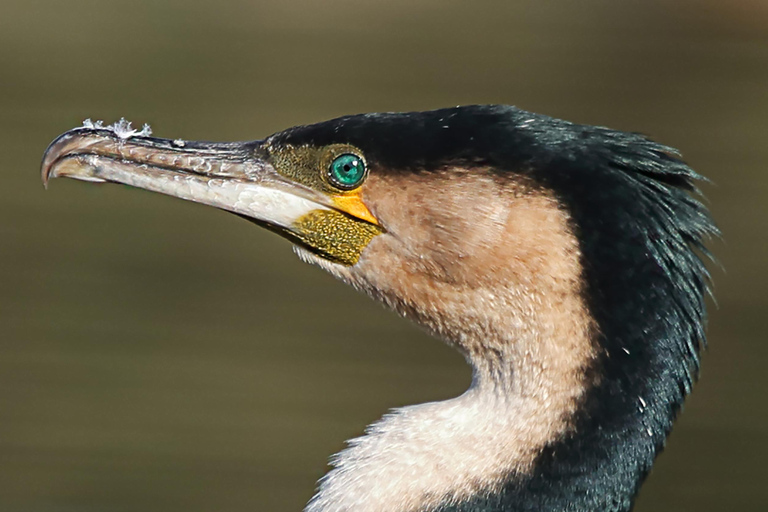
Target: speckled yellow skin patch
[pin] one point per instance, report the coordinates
(334, 235)
(339, 234)
(309, 166)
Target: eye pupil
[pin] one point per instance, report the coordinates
(347, 171)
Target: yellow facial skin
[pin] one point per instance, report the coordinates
(339, 236)
(335, 235)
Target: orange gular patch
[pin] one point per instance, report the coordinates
(354, 206)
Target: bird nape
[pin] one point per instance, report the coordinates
(562, 260)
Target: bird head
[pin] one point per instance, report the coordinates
(414, 208)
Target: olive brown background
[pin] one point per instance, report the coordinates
(157, 355)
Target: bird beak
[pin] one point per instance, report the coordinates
(236, 177)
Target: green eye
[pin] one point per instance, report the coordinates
(347, 171)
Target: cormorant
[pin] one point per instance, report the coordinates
(564, 261)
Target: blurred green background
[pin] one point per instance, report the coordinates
(156, 355)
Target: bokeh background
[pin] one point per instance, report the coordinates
(157, 355)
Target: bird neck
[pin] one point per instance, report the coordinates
(536, 430)
(582, 355)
